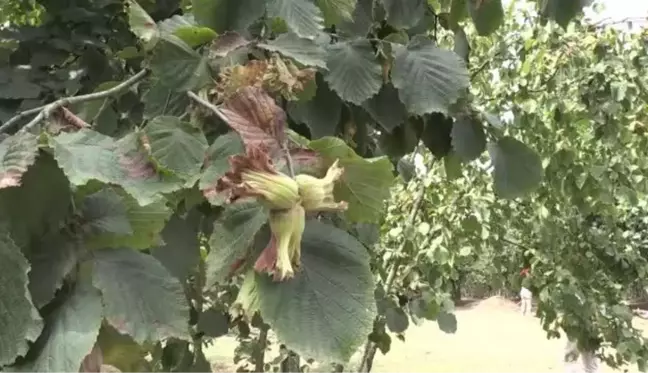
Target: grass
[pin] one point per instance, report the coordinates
(492, 336)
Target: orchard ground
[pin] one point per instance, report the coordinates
(492, 336)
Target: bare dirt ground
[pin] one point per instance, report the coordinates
(492, 336)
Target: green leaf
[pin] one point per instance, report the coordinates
(429, 79)
(19, 320)
(53, 258)
(401, 141)
(447, 322)
(404, 13)
(105, 212)
(468, 138)
(142, 25)
(437, 134)
(361, 19)
(217, 164)
(40, 205)
(562, 11)
(120, 351)
(232, 236)
(487, 15)
(87, 155)
(452, 166)
(17, 153)
(354, 73)
(326, 311)
(186, 29)
(146, 222)
(227, 15)
(321, 114)
(178, 66)
(304, 51)
(195, 36)
(177, 146)
(365, 183)
(458, 11)
(141, 298)
(213, 323)
(336, 11)
(70, 333)
(160, 99)
(303, 17)
(397, 320)
(180, 253)
(386, 108)
(518, 169)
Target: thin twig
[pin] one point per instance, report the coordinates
(44, 111)
(259, 363)
(289, 162)
(208, 105)
(370, 347)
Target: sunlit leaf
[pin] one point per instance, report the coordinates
(336, 11)
(365, 182)
(142, 25)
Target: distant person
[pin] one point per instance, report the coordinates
(525, 294)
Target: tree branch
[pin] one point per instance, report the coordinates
(46, 110)
(208, 105)
(370, 347)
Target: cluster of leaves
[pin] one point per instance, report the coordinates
(577, 96)
(112, 224)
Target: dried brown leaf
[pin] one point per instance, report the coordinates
(255, 116)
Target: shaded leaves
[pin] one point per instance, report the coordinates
(19, 320)
(140, 296)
